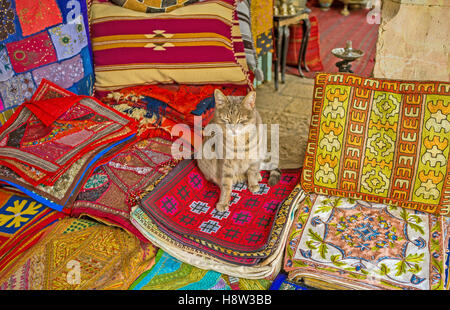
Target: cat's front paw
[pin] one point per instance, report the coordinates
(254, 188)
(222, 207)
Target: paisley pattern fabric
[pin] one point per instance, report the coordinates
(353, 244)
(380, 140)
(81, 255)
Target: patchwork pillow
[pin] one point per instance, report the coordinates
(380, 140)
(196, 44)
(43, 39)
(50, 162)
(153, 6)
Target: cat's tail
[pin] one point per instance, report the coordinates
(274, 177)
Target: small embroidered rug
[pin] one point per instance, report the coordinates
(23, 222)
(184, 203)
(343, 243)
(113, 188)
(226, 261)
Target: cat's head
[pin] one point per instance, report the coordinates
(234, 110)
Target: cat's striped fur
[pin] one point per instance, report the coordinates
(244, 167)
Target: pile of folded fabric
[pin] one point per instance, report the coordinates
(179, 216)
(169, 273)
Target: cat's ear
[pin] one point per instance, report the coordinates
(220, 98)
(249, 100)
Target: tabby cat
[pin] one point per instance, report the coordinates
(232, 114)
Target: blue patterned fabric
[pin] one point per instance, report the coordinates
(281, 283)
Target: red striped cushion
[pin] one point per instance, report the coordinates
(312, 56)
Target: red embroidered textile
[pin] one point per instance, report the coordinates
(39, 150)
(184, 203)
(112, 189)
(49, 110)
(65, 182)
(161, 107)
(312, 56)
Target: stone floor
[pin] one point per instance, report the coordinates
(290, 107)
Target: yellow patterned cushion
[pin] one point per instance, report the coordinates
(380, 140)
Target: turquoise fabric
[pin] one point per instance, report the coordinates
(169, 273)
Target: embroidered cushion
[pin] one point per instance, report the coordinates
(196, 44)
(43, 39)
(153, 6)
(380, 140)
(230, 262)
(343, 243)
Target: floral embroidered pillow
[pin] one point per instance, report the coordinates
(43, 39)
(380, 140)
(343, 243)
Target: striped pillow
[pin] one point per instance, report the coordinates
(153, 6)
(196, 44)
